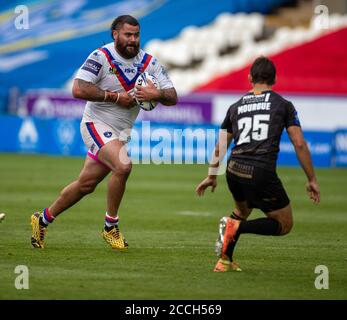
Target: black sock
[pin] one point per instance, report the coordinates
(263, 226)
(231, 246)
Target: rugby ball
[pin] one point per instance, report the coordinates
(142, 80)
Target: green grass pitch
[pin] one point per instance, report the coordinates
(171, 233)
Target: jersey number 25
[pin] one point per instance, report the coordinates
(255, 128)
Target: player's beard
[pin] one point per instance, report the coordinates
(127, 51)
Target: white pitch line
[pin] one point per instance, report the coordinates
(195, 213)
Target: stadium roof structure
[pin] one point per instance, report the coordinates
(318, 67)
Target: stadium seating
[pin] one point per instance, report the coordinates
(208, 41)
(313, 67)
(196, 55)
(62, 34)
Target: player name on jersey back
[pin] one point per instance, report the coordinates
(254, 103)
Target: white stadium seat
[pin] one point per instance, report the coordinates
(205, 44)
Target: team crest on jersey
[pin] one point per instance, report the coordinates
(113, 71)
(108, 134)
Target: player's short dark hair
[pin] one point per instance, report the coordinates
(263, 70)
(121, 20)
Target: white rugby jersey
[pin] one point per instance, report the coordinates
(106, 69)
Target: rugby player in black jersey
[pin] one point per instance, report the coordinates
(255, 123)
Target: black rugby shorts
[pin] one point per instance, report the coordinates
(259, 187)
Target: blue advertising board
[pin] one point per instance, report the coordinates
(320, 144)
(340, 144)
(154, 142)
(35, 135)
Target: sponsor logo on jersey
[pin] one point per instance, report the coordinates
(138, 65)
(129, 70)
(108, 134)
(256, 98)
(92, 66)
(117, 63)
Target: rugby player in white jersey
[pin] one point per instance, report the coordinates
(106, 81)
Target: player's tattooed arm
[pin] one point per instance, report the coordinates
(168, 97)
(88, 91)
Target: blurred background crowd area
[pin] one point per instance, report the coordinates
(207, 47)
